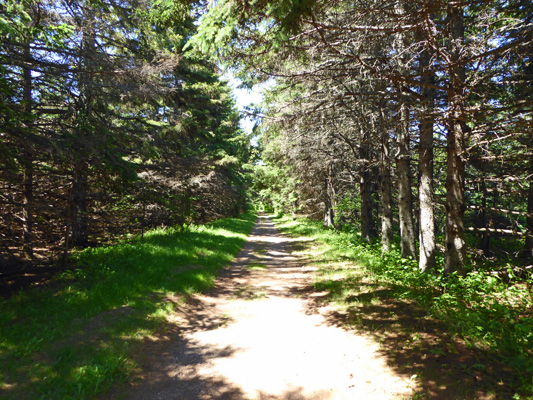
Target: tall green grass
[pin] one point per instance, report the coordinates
(73, 338)
(493, 316)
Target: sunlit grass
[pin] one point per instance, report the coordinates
(72, 339)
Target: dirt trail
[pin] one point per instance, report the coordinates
(253, 337)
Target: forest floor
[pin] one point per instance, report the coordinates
(261, 334)
(18, 275)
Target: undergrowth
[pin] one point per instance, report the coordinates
(489, 314)
(74, 338)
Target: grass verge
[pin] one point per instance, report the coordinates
(460, 338)
(73, 339)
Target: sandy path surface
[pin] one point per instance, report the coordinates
(254, 337)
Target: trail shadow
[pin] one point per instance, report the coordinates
(173, 371)
(419, 346)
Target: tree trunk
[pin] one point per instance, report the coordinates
(365, 191)
(367, 219)
(528, 248)
(407, 235)
(484, 241)
(385, 186)
(425, 169)
(78, 210)
(27, 208)
(454, 257)
(329, 199)
(80, 183)
(455, 207)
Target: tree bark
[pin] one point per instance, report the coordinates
(454, 257)
(27, 208)
(78, 211)
(365, 191)
(386, 200)
(403, 160)
(329, 196)
(407, 236)
(425, 169)
(484, 241)
(367, 219)
(385, 186)
(528, 248)
(80, 183)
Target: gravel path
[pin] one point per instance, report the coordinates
(254, 337)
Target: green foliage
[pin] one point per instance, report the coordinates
(167, 13)
(13, 19)
(483, 309)
(216, 31)
(220, 27)
(275, 189)
(347, 211)
(77, 337)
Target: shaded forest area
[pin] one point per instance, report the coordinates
(395, 119)
(107, 128)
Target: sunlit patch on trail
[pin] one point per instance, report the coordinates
(275, 239)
